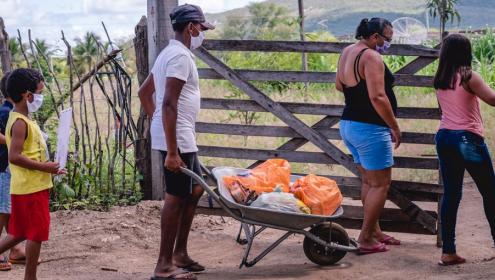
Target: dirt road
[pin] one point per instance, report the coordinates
(123, 244)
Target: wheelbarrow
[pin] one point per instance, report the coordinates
(325, 243)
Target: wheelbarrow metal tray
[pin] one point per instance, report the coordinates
(290, 220)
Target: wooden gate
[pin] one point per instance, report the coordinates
(408, 217)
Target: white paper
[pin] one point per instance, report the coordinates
(63, 137)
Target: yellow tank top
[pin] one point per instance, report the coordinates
(23, 180)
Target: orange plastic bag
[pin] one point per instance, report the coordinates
(320, 194)
(263, 178)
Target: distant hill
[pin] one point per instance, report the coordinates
(341, 17)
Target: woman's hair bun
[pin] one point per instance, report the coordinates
(362, 30)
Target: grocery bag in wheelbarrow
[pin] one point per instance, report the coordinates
(281, 201)
(320, 194)
(266, 177)
(255, 187)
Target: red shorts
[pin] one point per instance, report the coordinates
(30, 216)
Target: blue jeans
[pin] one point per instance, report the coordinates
(460, 150)
(4, 193)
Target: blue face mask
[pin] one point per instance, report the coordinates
(386, 44)
(381, 49)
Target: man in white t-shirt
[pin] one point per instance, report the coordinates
(173, 111)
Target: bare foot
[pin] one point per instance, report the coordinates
(188, 264)
(182, 260)
(17, 253)
(368, 243)
(387, 239)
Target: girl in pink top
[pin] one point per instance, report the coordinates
(459, 141)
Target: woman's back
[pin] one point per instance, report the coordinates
(460, 109)
(358, 105)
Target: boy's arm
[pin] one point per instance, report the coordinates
(19, 131)
(2, 139)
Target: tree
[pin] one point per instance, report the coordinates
(266, 21)
(43, 48)
(86, 51)
(445, 10)
(15, 52)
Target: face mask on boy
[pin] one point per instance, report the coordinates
(36, 104)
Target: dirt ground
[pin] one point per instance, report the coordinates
(123, 244)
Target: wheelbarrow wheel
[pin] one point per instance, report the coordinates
(320, 255)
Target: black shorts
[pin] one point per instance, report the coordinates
(179, 184)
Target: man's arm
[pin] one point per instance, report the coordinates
(145, 93)
(173, 89)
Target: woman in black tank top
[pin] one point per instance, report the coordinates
(368, 125)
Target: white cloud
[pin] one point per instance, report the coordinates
(112, 6)
(47, 18)
(218, 6)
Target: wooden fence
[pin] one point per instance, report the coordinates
(408, 217)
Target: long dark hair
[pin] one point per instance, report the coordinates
(367, 27)
(455, 57)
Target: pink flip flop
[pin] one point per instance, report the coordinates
(389, 240)
(378, 248)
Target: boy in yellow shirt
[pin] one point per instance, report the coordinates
(30, 170)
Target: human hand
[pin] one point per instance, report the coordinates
(396, 136)
(173, 162)
(51, 167)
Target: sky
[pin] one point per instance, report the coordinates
(46, 18)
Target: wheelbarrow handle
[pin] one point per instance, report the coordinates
(201, 182)
(208, 190)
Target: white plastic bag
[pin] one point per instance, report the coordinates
(281, 201)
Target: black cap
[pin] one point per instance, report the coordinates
(187, 13)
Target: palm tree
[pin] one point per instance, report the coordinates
(43, 48)
(15, 52)
(86, 51)
(445, 10)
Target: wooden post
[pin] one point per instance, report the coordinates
(303, 38)
(4, 48)
(159, 33)
(143, 142)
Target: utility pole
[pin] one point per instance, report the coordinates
(159, 33)
(4, 48)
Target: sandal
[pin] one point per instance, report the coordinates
(21, 260)
(378, 248)
(5, 265)
(457, 260)
(193, 267)
(176, 275)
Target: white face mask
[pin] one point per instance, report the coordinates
(197, 41)
(36, 104)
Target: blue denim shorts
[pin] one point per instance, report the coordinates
(4, 192)
(369, 144)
